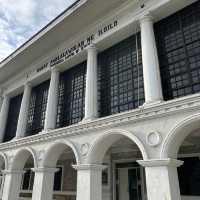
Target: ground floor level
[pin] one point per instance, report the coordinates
(122, 177)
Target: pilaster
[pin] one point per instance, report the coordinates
(162, 179)
(12, 184)
(89, 181)
(43, 183)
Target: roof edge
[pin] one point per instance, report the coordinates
(56, 20)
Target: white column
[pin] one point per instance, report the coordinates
(43, 183)
(151, 70)
(4, 116)
(89, 182)
(91, 104)
(12, 184)
(23, 114)
(1, 101)
(162, 179)
(51, 111)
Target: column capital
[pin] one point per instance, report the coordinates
(54, 70)
(146, 17)
(28, 84)
(92, 47)
(92, 167)
(5, 95)
(44, 170)
(168, 162)
(13, 171)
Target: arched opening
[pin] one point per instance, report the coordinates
(62, 156)
(3, 166)
(189, 172)
(25, 161)
(124, 178)
(183, 143)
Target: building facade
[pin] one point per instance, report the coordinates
(103, 104)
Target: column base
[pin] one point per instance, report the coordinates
(151, 103)
(85, 120)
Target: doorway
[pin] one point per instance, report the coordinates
(129, 181)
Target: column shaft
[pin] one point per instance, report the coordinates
(151, 71)
(91, 104)
(162, 179)
(89, 182)
(4, 116)
(1, 101)
(43, 183)
(12, 185)
(50, 119)
(23, 114)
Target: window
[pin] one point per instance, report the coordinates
(28, 180)
(189, 176)
(37, 108)
(58, 179)
(178, 42)
(71, 96)
(121, 77)
(12, 120)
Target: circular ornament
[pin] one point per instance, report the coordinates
(154, 138)
(84, 149)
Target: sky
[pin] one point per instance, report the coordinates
(20, 19)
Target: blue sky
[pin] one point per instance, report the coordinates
(20, 19)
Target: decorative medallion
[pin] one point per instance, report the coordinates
(84, 149)
(153, 139)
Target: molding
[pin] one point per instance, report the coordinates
(13, 171)
(45, 170)
(160, 163)
(164, 109)
(91, 167)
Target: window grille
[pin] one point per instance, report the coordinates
(37, 108)
(71, 99)
(178, 41)
(121, 77)
(12, 120)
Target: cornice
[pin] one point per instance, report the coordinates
(163, 109)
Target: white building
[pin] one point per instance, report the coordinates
(103, 104)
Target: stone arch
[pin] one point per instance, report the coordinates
(4, 160)
(177, 135)
(22, 156)
(54, 151)
(102, 144)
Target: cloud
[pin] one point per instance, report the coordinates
(20, 19)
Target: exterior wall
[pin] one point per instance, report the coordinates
(157, 129)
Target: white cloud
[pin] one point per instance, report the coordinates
(20, 19)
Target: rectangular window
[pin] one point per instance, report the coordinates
(71, 98)
(12, 120)
(178, 42)
(121, 77)
(37, 108)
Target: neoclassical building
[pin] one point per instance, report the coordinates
(104, 104)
